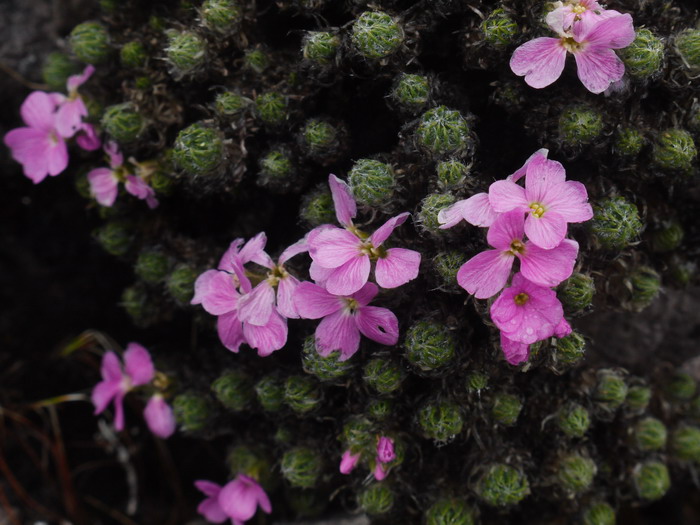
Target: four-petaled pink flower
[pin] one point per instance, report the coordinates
(345, 317)
(209, 507)
(548, 198)
(342, 258)
(565, 14)
(159, 417)
(240, 499)
(138, 370)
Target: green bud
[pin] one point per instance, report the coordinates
(56, 70)
(301, 466)
(180, 283)
(667, 238)
(186, 52)
(610, 390)
(138, 305)
(383, 375)
(123, 122)
(651, 480)
(616, 223)
(506, 408)
(499, 29)
(599, 513)
(372, 182)
(380, 409)
(376, 35)
(329, 368)
(638, 397)
(580, 125)
(644, 56)
(221, 16)
(230, 104)
(575, 472)
(90, 42)
(649, 434)
(429, 345)
(685, 443)
(357, 433)
(628, 142)
(272, 108)
(443, 131)
(234, 389)
(440, 420)
(301, 394)
(446, 265)
(644, 284)
(681, 387)
(502, 485)
(115, 238)
(450, 511)
(573, 419)
(283, 435)
(198, 150)
(317, 207)
(192, 410)
(133, 54)
(430, 206)
(674, 149)
(319, 139)
(477, 381)
(270, 392)
(682, 270)
(569, 350)
(687, 44)
(162, 182)
(377, 498)
(256, 60)
(576, 293)
(152, 266)
(411, 92)
(451, 174)
(277, 169)
(320, 47)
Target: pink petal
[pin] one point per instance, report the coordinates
(138, 364)
(398, 267)
(88, 140)
(508, 227)
(338, 331)
(295, 249)
(57, 157)
(548, 267)
(137, 187)
(546, 231)
(256, 306)
(159, 417)
(229, 255)
(485, 274)
(562, 329)
(111, 368)
(239, 498)
(540, 61)
(379, 471)
(350, 277)
(116, 159)
(614, 32)
(517, 175)
(254, 251)
(104, 186)
(385, 450)
(69, 117)
(345, 207)
(598, 67)
(570, 201)
(216, 292)
(119, 410)
(319, 274)
(378, 324)
(39, 111)
(365, 294)
(285, 297)
(334, 247)
(75, 81)
(230, 330)
(30, 147)
(208, 488)
(210, 508)
(382, 233)
(514, 352)
(475, 210)
(505, 195)
(348, 461)
(542, 174)
(313, 302)
(268, 338)
(104, 392)
(244, 284)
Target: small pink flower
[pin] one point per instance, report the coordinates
(548, 198)
(385, 450)
(210, 508)
(379, 471)
(116, 383)
(349, 461)
(562, 18)
(159, 417)
(525, 312)
(240, 498)
(69, 119)
(345, 318)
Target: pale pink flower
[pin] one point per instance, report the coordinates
(349, 461)
(344, 256)
(485, 274)
(516, 353)
(525, 312)
(210, 508)
(548, 198)
(117, 382)
(69, 118)
(240, 499)
(541, 61)
(562, 18)
(385, 450)
(159, 417)
(345, 318)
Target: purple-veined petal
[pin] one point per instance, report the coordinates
(285, 297)
(295, 249)
(379, 471)
(598, 67)
(514, 352)
(334, 247)
(104, 392)
(541, 61)
(119, 410)
(508, 227)
(39, 111)
(159, 417)
(398, 267)
(485, 274)
(268, 338)
(104, 186)
(257, 306)
(615, 31)
(229, 255)
(75, 81)
(382, 233)
(216, 292)
(111, 367)
(350, 277)
(520, 173)
(475, 210)
(239, 498)
(548, 267)
(319, 274)
(69, 117)
(87, 138)
(230, 330)
(338, 331)
(385, 450)
(57, 157)
(313, 302)
(345, 206)
(542, 174)
(366, 294)
(505, 195)
(254, 251)
(546, 231)
(30, 147)
(378, 324)
(138, 364)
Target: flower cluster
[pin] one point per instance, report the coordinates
(385, 455)
(117, 381)
(238, 500)
(588, 32)
(50, 119)
(528, 311)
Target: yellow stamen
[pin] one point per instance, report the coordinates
(537, 209)
(570, 44)
(578, 9)
(516, 247)
(521, 298)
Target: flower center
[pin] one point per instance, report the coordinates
(578, 9)
(276, 275)
(537, 209)
(521, 298)
(570, 44)
(517, 246)
(351, 304)
(374, 252)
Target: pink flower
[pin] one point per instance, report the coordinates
(591, 41)
(385, 450)
(549, 200)
(240, 498)
(141, 190)
(562, 18)
(160, 417)
(349, 461)
(485, 274)
(210, 508)
(88, 140)
(344, 256)
(525, 312)
(379, 471)
(116, 383)
(345, 318)
(69, 119)
(516, 353)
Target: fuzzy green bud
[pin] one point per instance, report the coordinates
(376, 35)
(272, 108)
(319, 139)
(450, 511)
(180, 283)
(644, 56)
(329, 368)
(411, 92)
(580, 125)
(220, 16)
(115, 238)
(610, 390)
(616, 223)
(499, 29)
(575, 472)
(440, 420)
(429, 345)
(502, 485)
(599, 513)
(357, 433)
(451, 174)
(270, 392)
(90, 42)
(628, 142)
(56, 70)
(256, 60)
(645, 284)
(277, 169)
(447, 264)
(443, 131)
(638, 397)
(372, 182)
(383, 375)
(320, 47)
(477, 381)
(667, 238)
(152, 266)
(685, 443)
(430, 207)
(687, 44)
(198, 150)
(651, 480)
(133, 54)
(123, 122)
(649, 434)
(230, 104)
(234, 390)
(301, 394)
(186, 52)
(576, 293)
(301, 466)
(376, 499)
(138, 305)
(674, 150)
(192, 411)
(506, 408)
(317, 207)
(380, 409)
(681, 387)
(573, 419)
(569, 350)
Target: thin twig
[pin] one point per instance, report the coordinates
(19, 78)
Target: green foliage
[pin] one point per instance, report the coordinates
(575, 472)
(319, 138)
(440, 420)
(152, 266)
(411, 92)
(376, 35)
(599, 513)
(376, 499)
(431, 206)
(616, 223)
(133, 54)
(573, 419)
(320, 47)
(649, 434)
(644, 56)
(256, 60)
(667, 238)
(123, 122)
(451, 174)
(644, 287)
(277, 169)
(688, 47)
(610, 390)
(231, 104)
(329, 368)
(186, 52)
(180, 283)
(270, 392)
(629, 142)
(477, 381)
(576, 293)
(301, 467)
(443, 131)
(302, 394)
(272, 108)
(429, 345)
(198, 150)
(580, 125)
(502, 485)
(192, 410)
(317, 208)
(569, 350)
(115, 238)
(638, 397)
(447, 264)
(56, 70)
(681, 386)
(651, 480)
(234, 389)
(674, 149)
(505, 409)
(499, 29)
(450, 511)
(90, 42)
(383, 374)
(221, 16)
(685, 443)
(372, 182)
